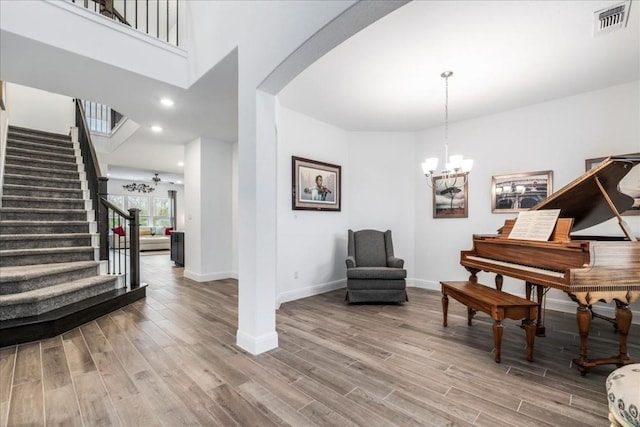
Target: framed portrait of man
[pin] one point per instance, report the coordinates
(315, 185)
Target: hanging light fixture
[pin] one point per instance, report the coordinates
(156, 179)
(456, 166)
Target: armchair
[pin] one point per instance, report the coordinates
(374, 274)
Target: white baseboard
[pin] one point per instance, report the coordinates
(423, 284)
(256, 345)
(310, 291)
(209, 276)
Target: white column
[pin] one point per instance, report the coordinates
(208, 207)
(257, 228)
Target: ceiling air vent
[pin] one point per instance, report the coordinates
(611, 18)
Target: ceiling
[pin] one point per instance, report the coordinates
(504, 55)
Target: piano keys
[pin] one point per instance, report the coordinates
(587, 268)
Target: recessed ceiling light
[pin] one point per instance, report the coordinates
(180, 163)
(179, 182)
(167, 102)
(156, 128)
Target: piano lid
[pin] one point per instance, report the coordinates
(582, 199)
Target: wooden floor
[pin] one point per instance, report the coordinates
(171, 360)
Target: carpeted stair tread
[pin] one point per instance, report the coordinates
(39, 251)
(36, 132)
(28, 272)
(32, 214)
(20, 222)
(55, 290)
(66, 149)
(17, 151)
(50, 191)
(11, 201)
(41, 171)
(11, 159)
(38, 301)
(47, 180)
(60, 236)
(44, 140)
(58, 240)
(41, 210)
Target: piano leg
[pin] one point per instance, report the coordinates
(499, 280)
(623, 318)
(583, 315)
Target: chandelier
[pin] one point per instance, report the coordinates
(156, 179)
(140, 188)
(457, 167)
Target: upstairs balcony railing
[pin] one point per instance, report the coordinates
(158, 18)
(101, 118)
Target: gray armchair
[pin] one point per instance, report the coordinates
(374, 274)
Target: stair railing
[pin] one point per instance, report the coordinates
(101, 118)
(97, 185)
(157, 18)
(4, 130)
(120, 242)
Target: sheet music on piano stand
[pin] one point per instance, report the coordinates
(535, 225)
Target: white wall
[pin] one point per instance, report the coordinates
(40, 110)
(557, 135)
(310, 243)
(377, 192)
(114, 186)
(62, 24)
(380, 190)
(208, 229)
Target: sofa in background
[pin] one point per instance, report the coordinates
(151, 238)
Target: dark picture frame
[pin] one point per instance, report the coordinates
(630, 184)
(451, 201)
(520, 191)
(315, 185)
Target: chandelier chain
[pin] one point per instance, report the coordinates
(446, 109)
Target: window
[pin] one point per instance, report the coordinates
(142, 203)
(162, 212)
(154, 211)
(114, 220)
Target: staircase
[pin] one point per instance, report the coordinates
(48, 243)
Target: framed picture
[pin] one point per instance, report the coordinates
(315, 185)
(629, 185)
(450, 199)
(521, 191)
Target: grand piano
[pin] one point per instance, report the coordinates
(587, 268)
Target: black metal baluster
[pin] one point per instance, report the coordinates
(167, 21)
(125, 10)
(147, 16)
(157, 19)
(136, 13)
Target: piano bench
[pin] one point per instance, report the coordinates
(497, 304)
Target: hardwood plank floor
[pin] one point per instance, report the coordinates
(170, 360)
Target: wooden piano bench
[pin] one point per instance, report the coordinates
(497, 304)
